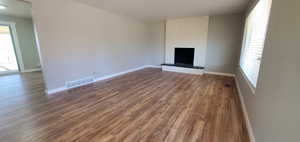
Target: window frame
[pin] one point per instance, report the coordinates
(244, 42)
(16, 44)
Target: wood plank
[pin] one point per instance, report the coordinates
(144, 106)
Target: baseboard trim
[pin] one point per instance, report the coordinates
(60, 89)
(245, 112)
(56, 90)
(154, 66)
(220, 73)
(31, 70)
(120, 73)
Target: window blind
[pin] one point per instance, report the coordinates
(254, 40)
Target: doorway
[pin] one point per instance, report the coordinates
(9, 61)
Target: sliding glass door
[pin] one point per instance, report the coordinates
(8, 59)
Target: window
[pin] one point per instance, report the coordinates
(254, 40)
(8, 60)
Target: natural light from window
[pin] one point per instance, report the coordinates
(254, 40)
(8, 61)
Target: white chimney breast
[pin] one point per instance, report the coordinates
(187, 33)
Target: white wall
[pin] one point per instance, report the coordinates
(274, 108)
(157, 42)
(27, 43)
(79, 41)
(224, 43)
(187, 32)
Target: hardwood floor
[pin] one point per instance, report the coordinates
(144, 106)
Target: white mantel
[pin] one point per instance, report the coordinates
(187, 33)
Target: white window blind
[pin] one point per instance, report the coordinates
(254, 40)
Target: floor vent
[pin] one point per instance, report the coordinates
(77, 83)
(228, 85)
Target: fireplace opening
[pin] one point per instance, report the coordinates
(184, 57)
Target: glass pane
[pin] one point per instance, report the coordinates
(254, 40)
(8, 61)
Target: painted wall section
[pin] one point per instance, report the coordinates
(187, 32)
(224, 43)
(78, 41)
(25, 33)
(157, 42)
(274, 107)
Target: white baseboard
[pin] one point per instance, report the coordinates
(120, 73)
(31, 70)
(245, 112)
(56, 90)
(154, 66)
(220, 73)
(64, 88)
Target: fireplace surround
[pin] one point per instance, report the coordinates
(186, 43)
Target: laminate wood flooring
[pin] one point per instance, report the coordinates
(143, 106)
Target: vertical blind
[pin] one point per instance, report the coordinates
(254, 40)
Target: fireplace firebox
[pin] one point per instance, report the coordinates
(184, 57)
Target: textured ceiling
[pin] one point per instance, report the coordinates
(163, 9)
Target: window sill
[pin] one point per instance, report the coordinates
(251, 87)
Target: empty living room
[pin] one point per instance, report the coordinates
(149, 70)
